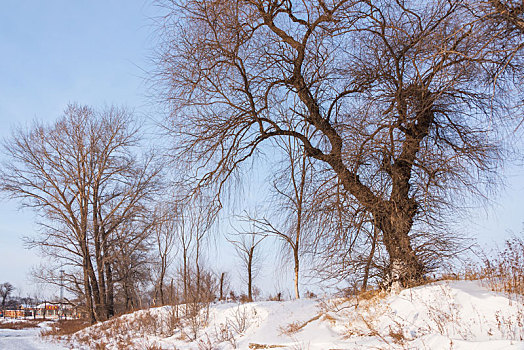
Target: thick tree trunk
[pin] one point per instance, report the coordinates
(404, 267)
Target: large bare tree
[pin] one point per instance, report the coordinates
(394, 93)
(81, 175)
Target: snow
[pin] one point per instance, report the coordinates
(26, 339)
(443, 315)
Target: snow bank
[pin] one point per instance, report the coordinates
(26, 339)
(443, 315)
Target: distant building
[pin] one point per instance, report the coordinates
(51, 310)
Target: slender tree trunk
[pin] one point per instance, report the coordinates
(99, 311)
(295, 254)
(99, 256)
(102, 287)
(185, 277)
(171, 294)
(87, 286)
(110, 290)
(197, 263)
(161, 283)
(250, 274)
(222, 286)
(108, 270)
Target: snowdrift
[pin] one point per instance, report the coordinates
(442, 315)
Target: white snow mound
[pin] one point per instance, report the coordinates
(442, 315)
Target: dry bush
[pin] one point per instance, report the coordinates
(19, 324)
(291, 328)
(224, 334)
(206, 344)
(236, 324)
(240, 320)
(397, 335)
(276, 297)
(196, 317)
(244, 299)
(310, 295)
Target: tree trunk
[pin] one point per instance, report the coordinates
(161, 286)
(110, 288)
(221, 286)
(295, 253)
(404, 267)
(96, 292)
(250, 274)
(110, 291)
(87, 286)
(99, 257)
(88, 298)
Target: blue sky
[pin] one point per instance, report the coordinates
(96, 53)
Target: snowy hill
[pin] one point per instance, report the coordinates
(442, 315)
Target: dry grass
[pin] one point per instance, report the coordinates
(121, 332)
(65, 328)
(291, 328)
(264, 346)
(295, 327)
(20, 324)
(397, 335)
(368, 294)
(501, 270)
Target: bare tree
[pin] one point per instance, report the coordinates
(291, 188)
(165, 237)
(5, 290)
(246, 244)
(81, 175)
(294, 186)
(194, 220)
(395, 94)
(131, 257)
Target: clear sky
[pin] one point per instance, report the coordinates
(97, 52)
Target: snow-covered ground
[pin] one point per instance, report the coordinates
(442, 315)
(26, 339)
